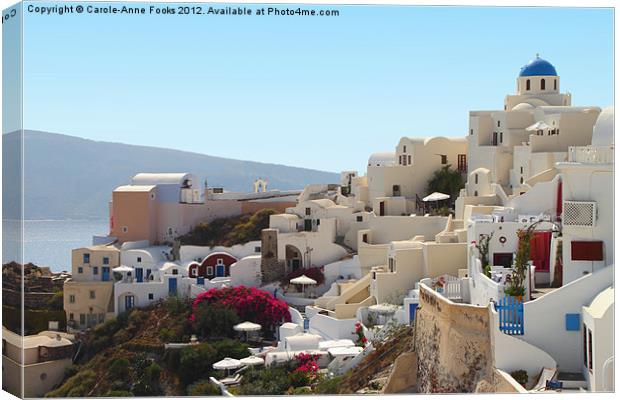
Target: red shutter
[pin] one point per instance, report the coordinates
(586, 251)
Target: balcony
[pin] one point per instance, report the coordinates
(591, 154)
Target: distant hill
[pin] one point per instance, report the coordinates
(67, 177)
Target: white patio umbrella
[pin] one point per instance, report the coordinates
(252, 361)
(123, 268)
(303, 281)
(436, 196)
(538, 126)
(227, 364)
(246, 327)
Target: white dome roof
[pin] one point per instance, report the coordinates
(523, 106)
(603, 133)
(382, 159)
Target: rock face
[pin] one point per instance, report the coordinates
(271, 268)
(453, 345)
(403, 378)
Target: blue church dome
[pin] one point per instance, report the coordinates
(538, 67)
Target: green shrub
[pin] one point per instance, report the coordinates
(203, 388)
(195, 362)
(267, 381)
(176, 306)
(520, 376)
(119, 368)
(215, 320)
(79, 385)
(231, 348)
(118, 393)
(302, 390)
(329, 386)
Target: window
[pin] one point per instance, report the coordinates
(139, 259)
(85, 258)
(586, 250)
(92, 294)
(572, 322)
(175, 272)
(359, 218)
(95, 270)
(501, 137)
(542, 84)
(318, 222)
(106, 260)
(395, 190)
(400, 160)
(476, 179)
(71, 298)
(462, 162)
(409, 160)
(80, 270)
(150, 296)
(404, 149)
(555, 84)
(521, 169)
(308, 211)
(365, 238)
(82, 319)
(70, 316)
(444, 158)
(498, 124)
(527, 85)
(475, 193)
(257, 249)
(590, 361)
(125, 229)
(209, 270)
(585, 345)
(471, 131)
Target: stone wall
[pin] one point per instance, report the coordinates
(453, 345)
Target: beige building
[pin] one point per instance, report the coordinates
(33, 365)
(88, 294)
(395, 184)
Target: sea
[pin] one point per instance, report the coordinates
(48, 243)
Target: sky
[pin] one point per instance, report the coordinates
(315, 92)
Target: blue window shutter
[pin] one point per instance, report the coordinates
(573, 322)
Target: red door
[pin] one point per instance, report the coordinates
(540, 246)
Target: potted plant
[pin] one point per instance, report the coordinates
(483, 251)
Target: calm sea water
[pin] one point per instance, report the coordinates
(49, 243)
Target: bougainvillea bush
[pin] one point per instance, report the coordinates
(359, 332)
(249, 303)
(307, 371)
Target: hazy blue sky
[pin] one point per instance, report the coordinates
(317, 92)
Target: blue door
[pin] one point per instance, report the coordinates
(105, 274)
(413, 307)
(128, 302)
(220, 270)
(139, 275)
(200, 280)
(172, 286)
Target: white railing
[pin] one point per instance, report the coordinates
(591, 154)
(453, 290)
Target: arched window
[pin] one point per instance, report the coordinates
(555, 84)
(542, 84)
(527, 85)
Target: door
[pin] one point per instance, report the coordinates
(503, 259)
(494, 138)
(295, 262)
(307, 225)
(382, 208)
(139, 275)
(220, 270)
(540, 248)
(129, 301)
(105, 274)
(172, 286)
(413, 307)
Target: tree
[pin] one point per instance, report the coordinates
(196, 361)
(446, 180)
(215, 320)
